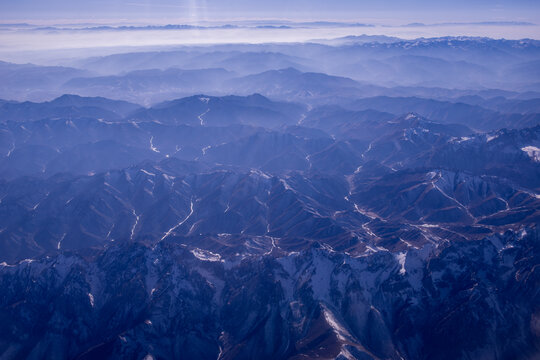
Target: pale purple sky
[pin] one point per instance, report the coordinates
(198, 10)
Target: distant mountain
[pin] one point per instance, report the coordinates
(502, 104)
(449, 62)
(447, 112)
(151, 86)
(32, 82)
(379, 63)
(170, 199)
(332, 117)
(501, 153)
(410, 171)
(122, 108)
(249, 62)
(243, 61)
(268, 151)
(419, 70)
(67, 107)
(292, 83)
(205, 110)
(524, 71)
(38, 147)
(444, 196)
(117, 64)
(358, 39)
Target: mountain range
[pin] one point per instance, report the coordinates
(273, 201)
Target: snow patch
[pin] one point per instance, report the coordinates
(152, 147)
(59, 245)
(370, 249)
(206, 255)
(410, 116)
(429, 226)
(273, 246)
(401, 257)
(148, 173)
(432, 175)
(339, 330)
(11, 150)
(205, 149)
(285, 185)
(259, 173)
(200, 117)
(137, 217)
(463, 139)
(180, 223)
(533, 152)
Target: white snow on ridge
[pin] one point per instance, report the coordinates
(11, 150)
(432, 175)
(205, 149)
(200, 117)
(401, 257)
(410, 116)
(152, 147)
(368, 230)
(533, 152)
(105, 122)
(341, 332)
(302, 118)
(286, 185)
(179, 224)
(137, 217)
(148, 173)
(168, 177)
(259, 173)
(206, 255)
(91, 298)
(273, 245)
(59, 245)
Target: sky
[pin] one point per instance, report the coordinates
(21, 43)
(215, 10)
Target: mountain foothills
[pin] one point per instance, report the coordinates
(348, 199)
